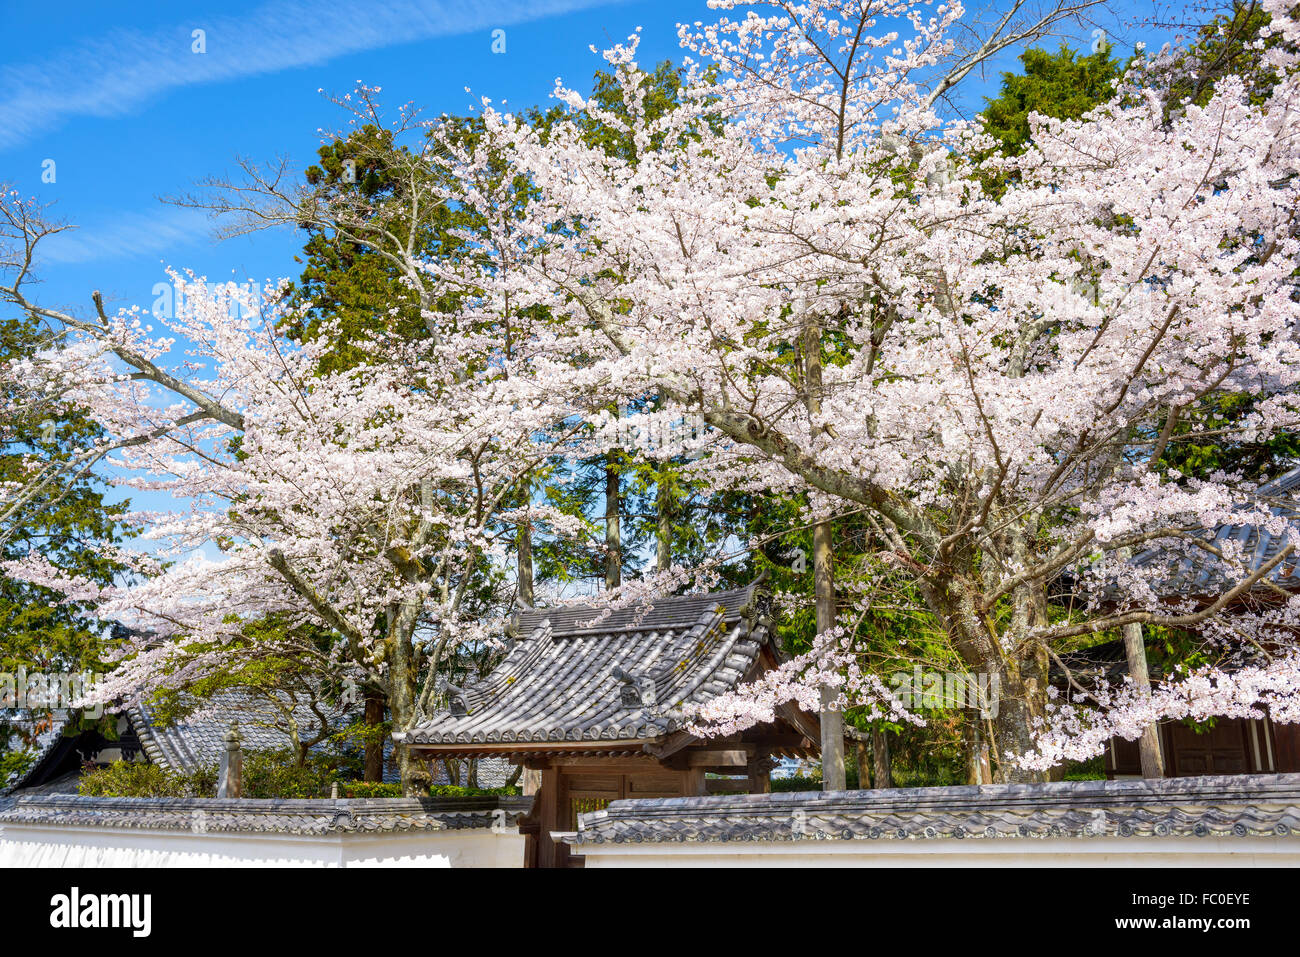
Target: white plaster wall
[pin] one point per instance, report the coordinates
(45, 846)
(951, 852)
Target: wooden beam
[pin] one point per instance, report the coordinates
(736, 758)
(669, 746)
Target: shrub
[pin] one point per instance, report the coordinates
(267, 774)
(369, 789)
(138, 779)
(273, 774)
(14, 764)
(452, 790)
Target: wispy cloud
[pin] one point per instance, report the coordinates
(115, 73)
(127, 234)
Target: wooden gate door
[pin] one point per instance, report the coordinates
(581, 791)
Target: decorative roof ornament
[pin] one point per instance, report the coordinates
(637, 692)
(456, 701)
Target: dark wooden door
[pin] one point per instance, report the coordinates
(1286, 746)
(1223, 749)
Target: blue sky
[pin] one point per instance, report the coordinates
(116, 97)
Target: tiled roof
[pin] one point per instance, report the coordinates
(1198, 572)
(489, 772)
(45, 742)
(1226, 806)
(569, 680)
(289, 816)
(197, 741)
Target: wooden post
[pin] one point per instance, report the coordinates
(694, 782)
(1135, 650)
(548, 816)
(230, 775)
(759, 769)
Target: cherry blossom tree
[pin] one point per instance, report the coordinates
(804, 252)
(372, 502)
(805, 255)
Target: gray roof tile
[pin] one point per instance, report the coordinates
(558, 684)
(197, 741)
(289, 816)
(1230, 806)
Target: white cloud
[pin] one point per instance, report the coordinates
(127, 234)
(114, 74)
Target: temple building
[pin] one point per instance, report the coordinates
(593, 700)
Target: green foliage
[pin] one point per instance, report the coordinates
(1229, 45)
(370, 789)
(64, 524)
(276, 774)
(1063, 85)
(267, 774)
(140, 779)
(14, 764)
(452, 790)
(1092, 770)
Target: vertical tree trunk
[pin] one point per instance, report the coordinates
(978, 766)
(530, 782)
(613, 527)
(374, 717)
(664, 524)
(970, 742)
(400, 683)
(864, 765)
(832, 720)
(984, 763)
(881, 774)
(524, 562)
(1135, 649)
(1022, 699)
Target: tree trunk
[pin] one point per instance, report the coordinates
(832, 720)
(1135, 649)
(1022, 698)
(530, 782)
(864, 765)
(374, 749)
(881, 774)
(970, 741)
(524, 562)
(613, 527)
(664, 524)
(978, 767)
(401, 703)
